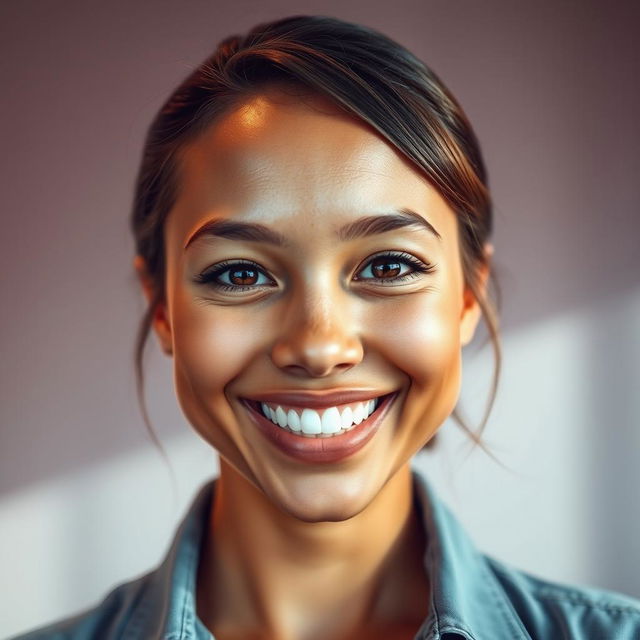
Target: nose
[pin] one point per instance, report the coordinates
(317, 337)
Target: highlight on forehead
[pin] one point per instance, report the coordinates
(251, 109)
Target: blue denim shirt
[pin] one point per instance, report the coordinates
(473, 596)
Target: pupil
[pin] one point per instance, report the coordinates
(245, 277)
(382, 268)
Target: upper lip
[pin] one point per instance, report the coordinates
(317, 399)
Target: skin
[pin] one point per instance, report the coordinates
(294, 550)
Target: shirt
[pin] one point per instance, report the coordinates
(473, 596)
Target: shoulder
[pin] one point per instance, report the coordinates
(106, 620)
(550, 609)
(157, 604)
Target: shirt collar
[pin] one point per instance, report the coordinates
(167, 608)
(466, 598)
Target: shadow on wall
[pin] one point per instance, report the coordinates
(614, 430)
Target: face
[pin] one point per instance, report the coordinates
(324, 310)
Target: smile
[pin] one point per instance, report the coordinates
(320, 436)
(330, 422)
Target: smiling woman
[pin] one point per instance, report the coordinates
(312, 226)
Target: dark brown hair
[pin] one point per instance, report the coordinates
(370, 76)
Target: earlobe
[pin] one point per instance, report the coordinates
(470, 317)
(162, 327)
(141, 269)
(160, 321)
(471, 310)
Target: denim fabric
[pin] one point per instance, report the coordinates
(473, 595)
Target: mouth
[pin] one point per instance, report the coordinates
(305, 441)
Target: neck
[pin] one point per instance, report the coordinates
(262, 569)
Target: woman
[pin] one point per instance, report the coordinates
(312, 225)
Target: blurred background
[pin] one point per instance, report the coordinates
(86, 502)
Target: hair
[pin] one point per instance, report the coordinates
(374, 79)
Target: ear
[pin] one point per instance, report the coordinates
(160, 321)
(471, 310)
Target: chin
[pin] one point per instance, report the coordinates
(322, 513)
(321, 503)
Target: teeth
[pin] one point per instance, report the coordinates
(347, 418)
(281, 417)
(293, 421)
(331, 421)
(311, 423)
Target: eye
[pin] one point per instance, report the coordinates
(241, 275)
(244, 275)
(387, 267)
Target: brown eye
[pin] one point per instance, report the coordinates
(385, 267)
(242, 276)
(234, 276)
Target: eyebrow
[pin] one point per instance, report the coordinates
(363, 227)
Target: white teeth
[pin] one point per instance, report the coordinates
(311, 423)
(281, 417)
(331, 421)
(293, 420)
(347, 418)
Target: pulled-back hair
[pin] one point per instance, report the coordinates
(371, 77)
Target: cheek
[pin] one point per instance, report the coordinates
(212, 347)
(421, 336)
(422, 340)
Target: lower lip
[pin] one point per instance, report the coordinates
(322, 450)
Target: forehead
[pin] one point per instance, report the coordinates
(280, 157)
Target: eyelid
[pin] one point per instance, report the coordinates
(210, 273)
(419, 267)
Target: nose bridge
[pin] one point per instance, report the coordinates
(317, 308)
(319, 332)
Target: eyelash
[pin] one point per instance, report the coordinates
(209, 277)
